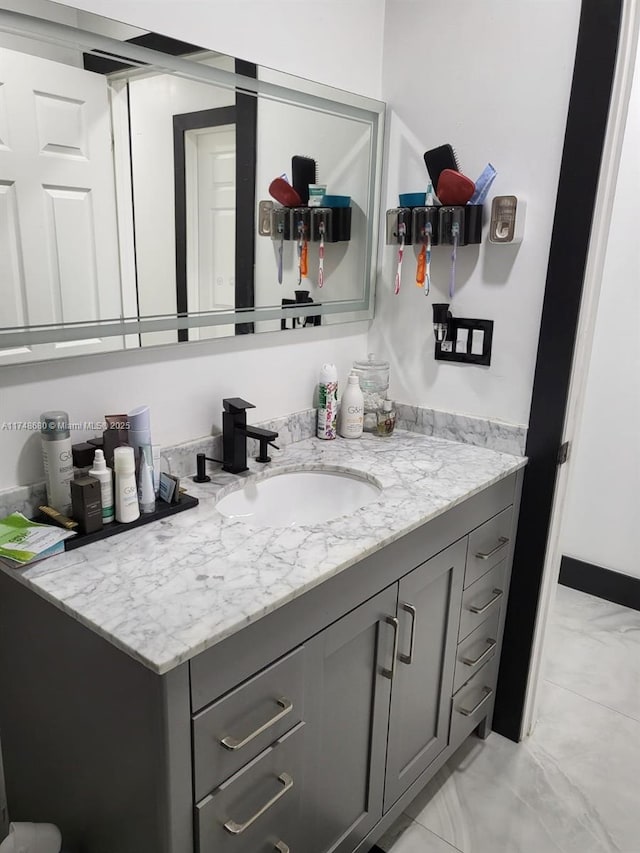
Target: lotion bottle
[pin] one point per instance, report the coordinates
(58, 459)
(104, 476)
(352, 409)
(126, 491)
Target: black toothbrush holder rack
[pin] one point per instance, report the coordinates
(440, 219)
(284, 223)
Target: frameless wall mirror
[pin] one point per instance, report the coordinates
(132, 168)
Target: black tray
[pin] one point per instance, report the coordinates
(163, 510)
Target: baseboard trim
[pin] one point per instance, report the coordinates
(603, 583)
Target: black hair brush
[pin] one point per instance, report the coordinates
(304, 171)
(437, 160)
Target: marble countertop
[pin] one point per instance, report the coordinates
(168, 590)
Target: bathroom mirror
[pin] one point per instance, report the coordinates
(132, 168)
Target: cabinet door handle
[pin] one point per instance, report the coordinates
(233, 743)
(410, 609)
(281, 847)
(497, 593)
(237, 828)
(485, 654)
(484, 555)
(467, 712)
(389, 673)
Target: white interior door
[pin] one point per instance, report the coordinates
(58, 226)
(211, 201)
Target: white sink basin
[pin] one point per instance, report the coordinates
(298, 497)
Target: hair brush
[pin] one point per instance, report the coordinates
(438, 159)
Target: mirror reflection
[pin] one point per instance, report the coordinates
(131, 176)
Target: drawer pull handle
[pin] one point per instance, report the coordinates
(389, 673)
(281, 847)
(497, 594)
(485, 555)
(483, 656)
(233, 743)
(467, 712)
(410, 609)
(237, 828)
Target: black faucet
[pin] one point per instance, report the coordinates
(234, 436)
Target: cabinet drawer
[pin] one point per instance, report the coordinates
(488, 545)
(236, 728)
(482, 599)
(258, 809)
(476, 650)
(473, 702)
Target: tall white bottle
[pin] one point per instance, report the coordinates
(327, 401)
(124, 465)
(104, 476)
(57, 459)
(352, 408)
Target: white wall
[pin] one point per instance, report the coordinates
(334, 42)
(600, 521)
(492, 79)
(184, 385)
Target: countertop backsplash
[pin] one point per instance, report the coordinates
(180, 459)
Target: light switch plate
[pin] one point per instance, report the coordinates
(479, 338)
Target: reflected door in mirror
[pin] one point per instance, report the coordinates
(58, 215)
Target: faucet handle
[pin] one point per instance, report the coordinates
(234, 405)
(263, 455)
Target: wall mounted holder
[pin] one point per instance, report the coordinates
(441, 218)
(301, 298)
(283, 222)
(461, 339)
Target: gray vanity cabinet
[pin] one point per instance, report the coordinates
(428, 615)
(308, 731)
(348, 719)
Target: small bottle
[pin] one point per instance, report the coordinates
(352, 409)
(58, 459)
(126, 491)
(327, 402)
(104, 476)
(386, 418)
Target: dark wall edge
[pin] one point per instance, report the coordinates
(593, 76)
(603, 583)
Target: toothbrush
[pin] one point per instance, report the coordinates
(321, 256)
(302, 252)
(280, 250)
(422, 264)
(455, 232)
(428, 231)
(402, 230)
(423, 271)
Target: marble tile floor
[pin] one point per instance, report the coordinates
(574, 785)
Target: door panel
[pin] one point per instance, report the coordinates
(349, 712)
(429, 601)
(57, 198)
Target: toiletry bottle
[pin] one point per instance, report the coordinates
(126, 491)
(327, 401)
(140, 440)
(104, 476)
(58, 459)
(386, 418)
(352, 409)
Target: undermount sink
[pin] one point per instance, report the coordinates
(298, 497)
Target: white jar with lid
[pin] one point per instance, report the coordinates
(352, 409)
(374, 382)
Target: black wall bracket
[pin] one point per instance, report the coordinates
(467, 341)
